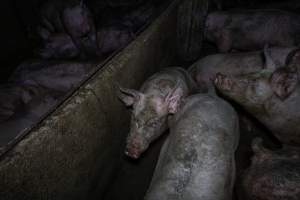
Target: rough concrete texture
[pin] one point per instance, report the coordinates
(77, 149)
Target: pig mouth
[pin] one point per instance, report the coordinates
(134, 151)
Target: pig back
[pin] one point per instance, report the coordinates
(206, 68)
(169, 78)
(198, 162)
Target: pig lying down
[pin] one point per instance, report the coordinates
(273, 97)
(13, 96)
(54, 75)
(252, 29)
(205, 69)
(197, 162)
(273, 175)
(36, 87)
(27, 115)
(152, 105)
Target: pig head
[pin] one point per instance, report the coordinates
(79, 24)
(149, 117)
(272, 96)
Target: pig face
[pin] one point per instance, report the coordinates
(149, 118)
(80, 25)
(253, 90)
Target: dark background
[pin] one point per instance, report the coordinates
(18, 17)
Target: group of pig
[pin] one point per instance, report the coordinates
(257, 71)
(67, 30)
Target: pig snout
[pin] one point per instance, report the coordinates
(223, 82)
(135, 148)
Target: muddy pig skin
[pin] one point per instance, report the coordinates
(204, 70)
(252, 29)
(197, 161)
(56, 75)
(152, 105)
(273, 97)
(273, 175)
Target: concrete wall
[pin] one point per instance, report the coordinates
(79, 146)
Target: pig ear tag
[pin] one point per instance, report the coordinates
(128, 96)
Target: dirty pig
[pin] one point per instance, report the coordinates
(197, 161)
(152, 106)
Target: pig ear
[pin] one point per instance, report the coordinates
(173, 100)
(269, 61)
(284, 81)
(128, 96)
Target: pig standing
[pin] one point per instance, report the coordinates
(273, 175)
(152, 106)
(198, 160)
(273, 97)
(204, 70)
(252, 29)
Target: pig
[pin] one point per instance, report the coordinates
(113, 38)
(80, 25)
(152, 105)
(28, 115)
(50, 15)
(117, 32)
(53, 75)
(272, 96)
(273, 175)
(206, 68)
(252, 29)
(15, 95)
(58, 46)
(72, 18)
(197, 161)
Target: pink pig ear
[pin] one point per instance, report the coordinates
(284, 81)
(173, 100)
(128, 96)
